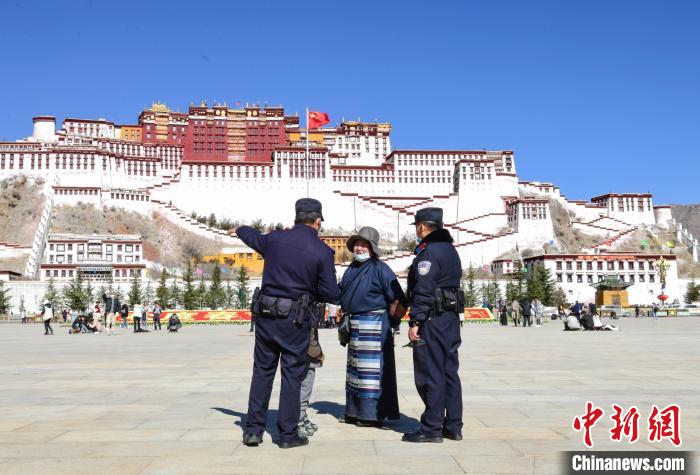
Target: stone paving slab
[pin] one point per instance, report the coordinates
(157, 403)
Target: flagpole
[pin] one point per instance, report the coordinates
(306, 165)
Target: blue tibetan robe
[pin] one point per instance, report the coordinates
(367, 290)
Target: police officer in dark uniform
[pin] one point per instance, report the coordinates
(436, 299)
(299, 275)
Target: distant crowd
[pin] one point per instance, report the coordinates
(106, 316)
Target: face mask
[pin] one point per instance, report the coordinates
(418, 238)
(361, 257)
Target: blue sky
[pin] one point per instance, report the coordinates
(595, 96)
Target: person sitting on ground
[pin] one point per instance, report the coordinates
(92, 326)
(597, 324)
(587, 318)
(571, 323)
(562, 313)
(174, 323)
(79, 325)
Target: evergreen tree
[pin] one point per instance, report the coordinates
(511, 292)
(535, 287)
(189, 294)
(558, 297)
(73, 294)
(110, 283)
(548, 285)
(471, 294)
(4, 298)
(242, 292)
(135, 294)
(162, 292)
(692, 293)
(520, 279)
(216, 296)
(230, 294)
(118, 293)
(494, 291)
(88, 295)
(201, 293)
(148, 293)
(52, 295)
(174, 294)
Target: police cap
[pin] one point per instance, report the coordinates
(429, 214)
(308, 205)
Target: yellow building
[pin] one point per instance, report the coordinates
(237, 257)
(132, 133)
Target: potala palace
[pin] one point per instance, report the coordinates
(250, 163)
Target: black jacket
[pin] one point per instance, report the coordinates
(297, 262)
(436, 266)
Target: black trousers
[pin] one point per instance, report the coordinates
(156, 322)
(137, 324)
(277, 340)
(526, 321)
(47, 327)
(436, 366)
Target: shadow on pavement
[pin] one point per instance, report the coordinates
(271, 427)
(404, 424)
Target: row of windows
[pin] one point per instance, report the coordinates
(621, 265)
(589, 278)
(61, 258)
(95, 247)
(70, 273)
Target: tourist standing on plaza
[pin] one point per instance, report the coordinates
(436, 299)
(503, 312)
(526, 308)
(64, 314)
(299, 274)
(47, 315)
(112, 307)
(124, 315)
(537, 309)
(156, 316)
(144, 316)
(515, 312)
(315, 357)
(368, 289)
(97, 316)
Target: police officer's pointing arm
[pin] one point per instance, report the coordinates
(423, 298)
(328, 290)
(252, 238)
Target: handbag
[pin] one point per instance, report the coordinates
(344, 325)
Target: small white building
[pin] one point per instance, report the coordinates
(632, 208)
(95, 257)
(575, 273)
(502, 266)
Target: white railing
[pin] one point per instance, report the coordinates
(687, 239)
(42, 231)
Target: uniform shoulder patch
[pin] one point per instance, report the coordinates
(424, 267)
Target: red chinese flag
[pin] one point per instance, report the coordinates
(317, 119)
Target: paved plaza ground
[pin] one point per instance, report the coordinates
(160, 403)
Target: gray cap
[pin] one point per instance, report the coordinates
(367, 233)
